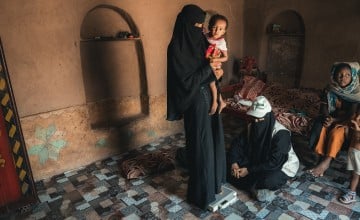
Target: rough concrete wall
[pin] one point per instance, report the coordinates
(330, 33)
(41, 40)
(62, 140)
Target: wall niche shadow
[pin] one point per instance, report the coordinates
(113, 66)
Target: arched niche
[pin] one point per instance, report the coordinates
(113, 65)
(286, 38)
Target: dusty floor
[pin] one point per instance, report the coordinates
(99, 191)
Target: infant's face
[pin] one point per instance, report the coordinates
(219, 29)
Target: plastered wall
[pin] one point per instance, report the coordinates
(41, 40)
(331, 33)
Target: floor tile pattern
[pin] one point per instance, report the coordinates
(99, 191)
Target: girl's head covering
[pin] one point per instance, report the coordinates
(351, 92)
(185, 55)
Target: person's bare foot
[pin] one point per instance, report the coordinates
(320, 169)
(222, 106)
(213, 108)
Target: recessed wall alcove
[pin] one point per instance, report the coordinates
(286, 34)
(113, 65)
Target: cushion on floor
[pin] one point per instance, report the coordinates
(149, 163)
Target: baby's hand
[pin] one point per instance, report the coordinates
(356, 122)
(215, 60)
(215, 65)
(328, 121)
(355, 125)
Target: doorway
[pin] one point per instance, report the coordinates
(286, 35)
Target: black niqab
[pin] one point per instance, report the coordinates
(260, 139)
(186, 54)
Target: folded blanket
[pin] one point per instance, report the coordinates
(147, 164)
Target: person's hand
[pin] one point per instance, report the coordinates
(215, 60)
(235, 166)
(234, 170)
(355, 125)
(215, 65)
(238, 172)
(242, 172)
(328, 121)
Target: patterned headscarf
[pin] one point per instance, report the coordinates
(350, 93)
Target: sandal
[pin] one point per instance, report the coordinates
(348, 198)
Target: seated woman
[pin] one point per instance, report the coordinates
(338, 105)
(262, 158)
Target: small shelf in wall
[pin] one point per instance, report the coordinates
(110, 39)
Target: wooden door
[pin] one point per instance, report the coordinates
(17, 188)
(285, 59)
(9, 181)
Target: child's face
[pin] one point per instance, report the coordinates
(219, 29)
(343, 77)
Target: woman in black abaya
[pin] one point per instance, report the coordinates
(262, 158)
(189, 74)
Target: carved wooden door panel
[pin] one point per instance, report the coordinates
(17, 188)
(9, 184)
(285, 59)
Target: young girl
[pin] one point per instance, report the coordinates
(353, 162)
(339, 103)
(217, 52)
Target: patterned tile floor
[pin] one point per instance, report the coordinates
(98, 191)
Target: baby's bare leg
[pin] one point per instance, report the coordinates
(222, 103)
(214, 103)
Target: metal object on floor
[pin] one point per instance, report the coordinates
(224, 199)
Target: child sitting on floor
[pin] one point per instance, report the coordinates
(217, 52)
(353, 162)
